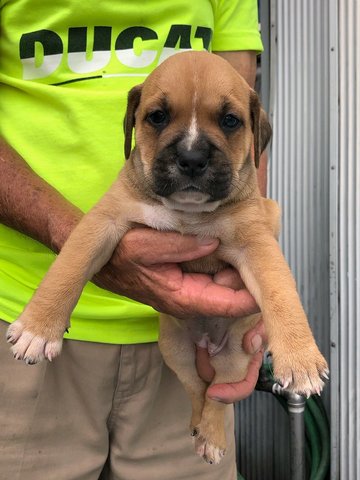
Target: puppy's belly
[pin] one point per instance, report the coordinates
(212, 347)
(209, 332)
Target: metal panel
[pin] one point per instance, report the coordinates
(299, 180)
(349, 239)
(333, 238)
(299, 176)
(315, 176)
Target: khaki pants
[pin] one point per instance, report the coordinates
(99, 412)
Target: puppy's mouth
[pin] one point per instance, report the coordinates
(190, 195)
(191, 188)
(190, 201)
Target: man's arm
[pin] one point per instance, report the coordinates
(32, 206)
(244, 62)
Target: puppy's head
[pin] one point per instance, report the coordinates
(195, 121)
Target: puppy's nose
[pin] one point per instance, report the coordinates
(192, 162)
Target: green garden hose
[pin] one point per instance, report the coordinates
(320, 420)
(313, 438)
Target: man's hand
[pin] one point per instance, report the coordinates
(253, 343)
(145, 267)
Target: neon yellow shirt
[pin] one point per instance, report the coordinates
(65, 70)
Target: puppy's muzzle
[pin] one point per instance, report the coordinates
(198, 166)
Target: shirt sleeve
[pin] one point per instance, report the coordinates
(236, 26)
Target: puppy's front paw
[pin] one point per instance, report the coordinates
(32, 343)
(301, 370)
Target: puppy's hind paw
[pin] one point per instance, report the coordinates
(209, 452)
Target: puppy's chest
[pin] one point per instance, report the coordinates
(200, 224)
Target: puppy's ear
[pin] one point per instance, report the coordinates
(260, 126)
(129, 120)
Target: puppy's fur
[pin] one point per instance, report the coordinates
(191, 171)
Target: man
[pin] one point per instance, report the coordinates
(107, 406)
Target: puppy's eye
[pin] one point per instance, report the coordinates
(158, 118)
(230, 122)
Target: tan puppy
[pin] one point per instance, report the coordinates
(191, 171)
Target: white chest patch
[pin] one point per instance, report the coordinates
(158, 217)
(163, 218)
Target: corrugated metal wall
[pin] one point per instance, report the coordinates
(299, 105)
(348, 243)
(313, 55)
(299, 168)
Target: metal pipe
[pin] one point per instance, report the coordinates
(296, 408)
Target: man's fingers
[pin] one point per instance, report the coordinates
(233, 392)
(255, 339)
(205, 297)
(150, 247)
(203, 366)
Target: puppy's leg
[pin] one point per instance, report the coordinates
(179, 352)
(230, 365)
(38, 332)
(298, 364)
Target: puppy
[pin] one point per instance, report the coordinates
(191, 171)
